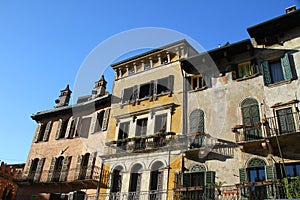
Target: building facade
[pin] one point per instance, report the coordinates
(179, 124)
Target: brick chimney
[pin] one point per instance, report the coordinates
(64, 97)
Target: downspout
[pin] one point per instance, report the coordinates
(100, 179)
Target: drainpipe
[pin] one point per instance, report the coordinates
(100, 179)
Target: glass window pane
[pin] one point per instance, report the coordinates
(289, 170)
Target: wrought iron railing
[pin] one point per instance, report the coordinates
(282, 124)
(71, 175)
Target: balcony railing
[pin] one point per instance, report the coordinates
(248, 132)
(143, 195)
(282, 124)
(70, 175)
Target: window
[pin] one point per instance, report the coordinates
(59, 169)
(292, 169)
(197, 82)
(160, 123)
(43, 132)
(286, 121)
(141, 127)
(251, 119)
(156, 180)
(155, 87)
(123, 130)
(135, 179)
(117, 179)
(144, 91)
(278, 70)
(61, 129)
(34, 169)
(246, 69)
(98, 125)
(197, 128)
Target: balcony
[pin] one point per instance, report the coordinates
(85, 178)
(149, 195)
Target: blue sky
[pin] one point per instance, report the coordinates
(44, 43)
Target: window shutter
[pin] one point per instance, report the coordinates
(77, 127)
(105, 119)
(78, 166)
(47, 131)
(93, 123)
(58, 131)
(68, 131)
(155, 90)
(286, 67)
(37, 133)
(90, 168)
(266, 72)
(135, 93)
(209, 177)
(185, 180)
(122, 96)
(38, 172)
(171, 84)
(139, 181)
(243, 175)
(51, 170)
(65, 168)
(269, 173)
(28, 170)
(151, 88)
(160, 180)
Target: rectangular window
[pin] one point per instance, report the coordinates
(144, 91)
(286, 121)
(127, 95)
(246, 69)
(276, 71)
(141, 127)
(63, 128)
(160, 123)
(197, 82)
(123, 130)
(162, 85)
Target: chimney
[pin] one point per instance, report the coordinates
(64, 97)
(290, 9)
(99, 88)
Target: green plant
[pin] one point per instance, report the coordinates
(292, 187)
(218, 186)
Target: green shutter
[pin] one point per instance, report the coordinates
(28, 169)
(93, 123)
(269, 172)
(105, 119)
(51, 170)
(58, 131)
(90, 168)
(266, 72)
(185, 180)
(68, 131)
(243, 175)
(37, 133)
(39, 169)
(65, 168)
(78, 167)
(286, 67)
(209, 177)
(47, 131)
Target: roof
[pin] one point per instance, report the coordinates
(277, 25)
(152, 51)
(68, 109)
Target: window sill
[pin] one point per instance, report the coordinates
(279, 83)
(247, 77)
(198, 89)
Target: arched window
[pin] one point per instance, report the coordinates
(251, 119)
(58, 167)
(116, 179)
(197, 128)
(84, 166)
(135, 178)
(33, 169)
(156, 180)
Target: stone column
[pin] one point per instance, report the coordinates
(151, 62)
(145, 183)
(125, 182)
(168, 57)
(159, 59)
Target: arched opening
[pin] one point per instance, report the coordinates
(116, 179)
(84, 166)
(251, 119)
(197, 128)
(58, 167)
(156, 180)
(135, 180)
(33, 169)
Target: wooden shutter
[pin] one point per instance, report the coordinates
(37, 132)
(105, 119)
(28, 169)
(122, 97)
(135, 94)
(155, 90)
(266, 72)
(78, 166)
(171, 84)
(65, 168)
(51, 169)
(93, 123)
(58, 131)
(185, 180)
(47, 131)
(286, 67)
(209, 177)
(90, 168)
(69, 127)
(269, 173)
(39, 169)
(243, 175)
